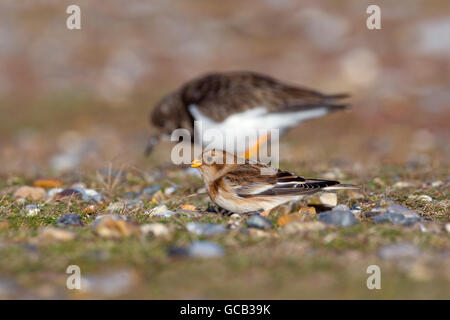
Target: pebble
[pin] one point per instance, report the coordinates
(52, 192)
(326, 199)
(69, 193)
(151, 190)
(399, 251)
(155, 229)
(34, 193)
(170, 190)
(134, 204)
(69, 219)
(447, 227)
(235, 216)
(437, 183)
(205, 229)
(307, 210)
(91, 209)
(188, 207)
(114, 226)
(300, 227)
(402, 184)
(50, 233)
(396, 208)
(47, 183)
(32, 210)
(160, 211)
(91, 194)
(259, 222)
(287, 219)
(343, 218)
(205, 249)
(425, 198)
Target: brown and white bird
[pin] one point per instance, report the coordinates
(232, 101)
(241, 186)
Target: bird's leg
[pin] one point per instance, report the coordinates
(255, 148)
(152, 141)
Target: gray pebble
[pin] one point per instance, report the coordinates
(259, 222)
(205, 229)
(338, 218)
(341, 207)
(205, 249)
(69, 219)
(151, 190)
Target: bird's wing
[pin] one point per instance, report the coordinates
(220, 95)
(247, 181)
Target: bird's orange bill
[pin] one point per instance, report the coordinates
(196, 163)
(255, 148)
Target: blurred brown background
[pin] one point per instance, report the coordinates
(79, 99)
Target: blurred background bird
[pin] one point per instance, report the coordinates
(235, 103)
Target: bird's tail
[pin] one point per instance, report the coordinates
(333, 104)
(341, 187)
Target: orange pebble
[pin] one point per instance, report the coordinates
(189, 207)
(310, 210)
(48, 183)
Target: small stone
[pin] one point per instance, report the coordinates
(307, 210)
(236, 216)
(396, 208)
(91, 194)
(287, 219)
(160, 211)
(69, 219)
(32, 210)
(374, 212)
(425, 198)
(402, 184)
(189, 207)
(47, 183)
(91, 209)
(155, 229)
(33, 193)
(447, 227)
(151, 190)
(394, 218)
(437, 183)
(170, 190)
(69, 193)
(54, 191)
(326, 199)
(301, 227)
(205, 249)
(134, 204)
(259, 222)
(205, 229)
(399, 251)
(338, 218)
(115, 207)
(114, 226)
(341, 207)
(379, 182)
(50, 233)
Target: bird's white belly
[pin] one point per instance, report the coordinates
(241, 130)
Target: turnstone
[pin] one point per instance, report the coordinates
(233, 101)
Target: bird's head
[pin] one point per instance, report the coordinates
(214, 162)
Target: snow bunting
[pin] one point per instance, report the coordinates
(241, 186)
(233, 101)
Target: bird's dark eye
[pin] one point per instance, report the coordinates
(209, 160)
